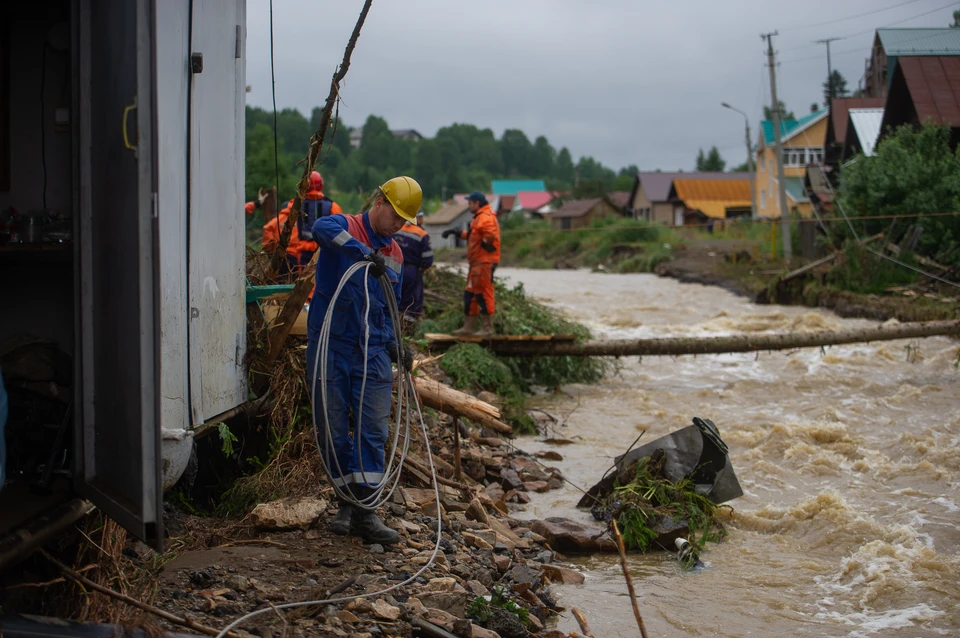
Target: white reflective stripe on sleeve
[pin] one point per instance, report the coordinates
(342, 238)
(408, 234)
(428, 253)
(391, 264)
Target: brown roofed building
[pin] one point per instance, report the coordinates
(924, 89)
(580, 213)
(446, 217)
(837, 123)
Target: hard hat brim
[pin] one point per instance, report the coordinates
(401, 213)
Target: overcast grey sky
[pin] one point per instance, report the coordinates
(625, 81)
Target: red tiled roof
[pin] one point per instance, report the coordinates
(532, 200)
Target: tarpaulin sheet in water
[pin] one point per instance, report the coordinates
(696, 451)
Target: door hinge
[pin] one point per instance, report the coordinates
(154, 205)
(239, 42)
(196, 63)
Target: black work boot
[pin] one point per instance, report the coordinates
(368, 526)
(341, 522)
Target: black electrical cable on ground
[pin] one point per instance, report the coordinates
(273, 90)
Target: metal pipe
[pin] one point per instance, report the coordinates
(26, 539)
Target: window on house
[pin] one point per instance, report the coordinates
(763, 198)
(565, 223)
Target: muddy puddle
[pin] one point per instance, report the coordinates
(849, 458)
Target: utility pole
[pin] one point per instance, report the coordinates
(753, 185)
(830, 88)
(778, 145)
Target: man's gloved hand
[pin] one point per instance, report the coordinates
(402, 357)
(450, 231)
(487, 246)
(379, 268)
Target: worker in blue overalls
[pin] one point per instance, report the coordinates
(358, 363)
(417, 257)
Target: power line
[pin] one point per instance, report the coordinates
(946, 6)
(273, 89)
(859, 15)
(872, 30)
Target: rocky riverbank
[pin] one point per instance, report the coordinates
(492, 575)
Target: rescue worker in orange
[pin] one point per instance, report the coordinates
(301, 246)
(483, 255)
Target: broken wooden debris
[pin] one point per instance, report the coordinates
(438, 396)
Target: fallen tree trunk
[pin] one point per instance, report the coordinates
(674, 346)
(438, 396)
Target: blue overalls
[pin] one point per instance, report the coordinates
(417, 257)
(344, 240)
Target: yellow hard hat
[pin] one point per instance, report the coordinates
(404, 195)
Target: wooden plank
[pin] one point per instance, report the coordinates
(271, 312)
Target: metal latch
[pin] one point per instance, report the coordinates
(196, 62)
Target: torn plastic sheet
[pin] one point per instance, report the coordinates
(696, 451)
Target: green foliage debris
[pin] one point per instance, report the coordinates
(646, 497)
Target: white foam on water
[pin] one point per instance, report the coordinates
(947, 503)
(871, 622)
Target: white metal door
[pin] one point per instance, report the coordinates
(118, 443)
(217, 320)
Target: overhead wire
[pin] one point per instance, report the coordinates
(273, 90)
(871, 30)
(853, 17)
(882, 255)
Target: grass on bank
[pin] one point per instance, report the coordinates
(626, 245)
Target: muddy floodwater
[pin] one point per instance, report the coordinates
(849, 459)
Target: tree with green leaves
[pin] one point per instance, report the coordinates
(563, 170)
(956, 20)
(834, 86)
(784, 113)
(711, 162)
(517, 153)
(913, 172)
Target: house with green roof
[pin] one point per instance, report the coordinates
(891, 44)
(802, 141)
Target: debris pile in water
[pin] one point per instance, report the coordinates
(668, 489)
(653, 511)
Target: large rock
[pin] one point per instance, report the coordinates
(569, 537)
(563, 575)
(523, 574)
(506, 624)
(510, 479)
(451, 602)
(668, 530)
(287, 513)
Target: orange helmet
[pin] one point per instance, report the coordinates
(316, 181)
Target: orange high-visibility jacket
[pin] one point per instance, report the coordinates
(483, 226)
(297, 246)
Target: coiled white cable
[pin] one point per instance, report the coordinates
(406, 396)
